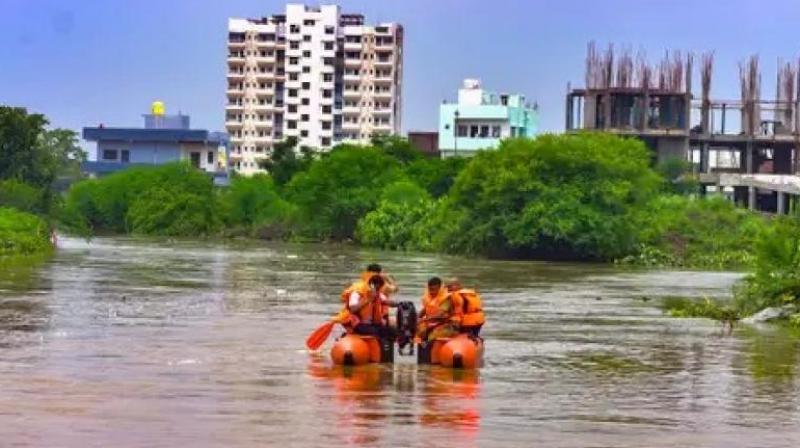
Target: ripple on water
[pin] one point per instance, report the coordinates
(127, 342)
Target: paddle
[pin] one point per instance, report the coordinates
(320, 335)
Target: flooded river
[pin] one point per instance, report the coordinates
(134, 343)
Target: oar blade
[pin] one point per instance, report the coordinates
(319, 336)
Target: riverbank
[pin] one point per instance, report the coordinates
(23, 235)
(588, 197)
(583, 197)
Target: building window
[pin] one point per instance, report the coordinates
(327, 93)
(306, 69)
(125, 156)
(304, 117)
(326, 109)
(306, 53)
(306, 85)
(496, 131)
(329, 29)
(109, 154)
(292, 93)
(307, 38)
(294, 61)
(210, 158)
(293, 76)
(291, 124)
(325, 141)
(292, 108)
(484, 131)
(474, 130)
(329, 45)
(303, 133)
(327, 77)
(294, 44)
(195, 158)
(326, 125)
(308, 22)
(294, 28)
(305, 101)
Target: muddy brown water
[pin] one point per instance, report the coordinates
(124, 342)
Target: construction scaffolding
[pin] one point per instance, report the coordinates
(745, 148)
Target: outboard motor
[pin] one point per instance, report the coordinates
(406, 328)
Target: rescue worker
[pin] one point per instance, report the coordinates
(369, 304)
(441, 312)
(472, 308)
(389, 287)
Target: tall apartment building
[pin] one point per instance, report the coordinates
(312, 73)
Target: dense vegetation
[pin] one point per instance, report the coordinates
(34, 161)
(588, 196)
(22, 233)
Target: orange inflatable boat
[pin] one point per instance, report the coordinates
(462, 351)
(355, 350)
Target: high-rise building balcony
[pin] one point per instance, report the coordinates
(236, 59)
(352, 46)
(234, 107)
(235, 91)
(232, 123)
(236, 75)
(352, 62)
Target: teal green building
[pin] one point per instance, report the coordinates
(481, 119)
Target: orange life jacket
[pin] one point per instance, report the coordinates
(471, 306)
(373, 311)
(443, 305)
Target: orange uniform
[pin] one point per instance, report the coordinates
(472, 307)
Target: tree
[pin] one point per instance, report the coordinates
(284, 162)
(434, 174)
(336, 191)
(31, 154)
(399, 148)
(556, 196)
(252, 204)
(678, 174)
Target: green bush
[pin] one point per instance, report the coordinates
(558, 196)
(392, 225)
(21, 196)
(252, 206)
(695, 232)
(776, 280)
(434, 174)
(22, 233)
(337, 190)
(172, 191)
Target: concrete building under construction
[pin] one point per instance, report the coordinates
(745, 149)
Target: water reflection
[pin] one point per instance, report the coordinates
(24, 311)
(450, 399)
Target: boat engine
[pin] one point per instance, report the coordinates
(406, 328)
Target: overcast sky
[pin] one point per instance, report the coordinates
(84, 62)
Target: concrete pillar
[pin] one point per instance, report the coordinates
(704, 158)
(751, 198)
(748, 157)
(781, 203)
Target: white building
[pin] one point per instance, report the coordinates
(312, 73)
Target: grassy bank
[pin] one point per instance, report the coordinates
(22, 234)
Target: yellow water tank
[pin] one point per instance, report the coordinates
(157, 108)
